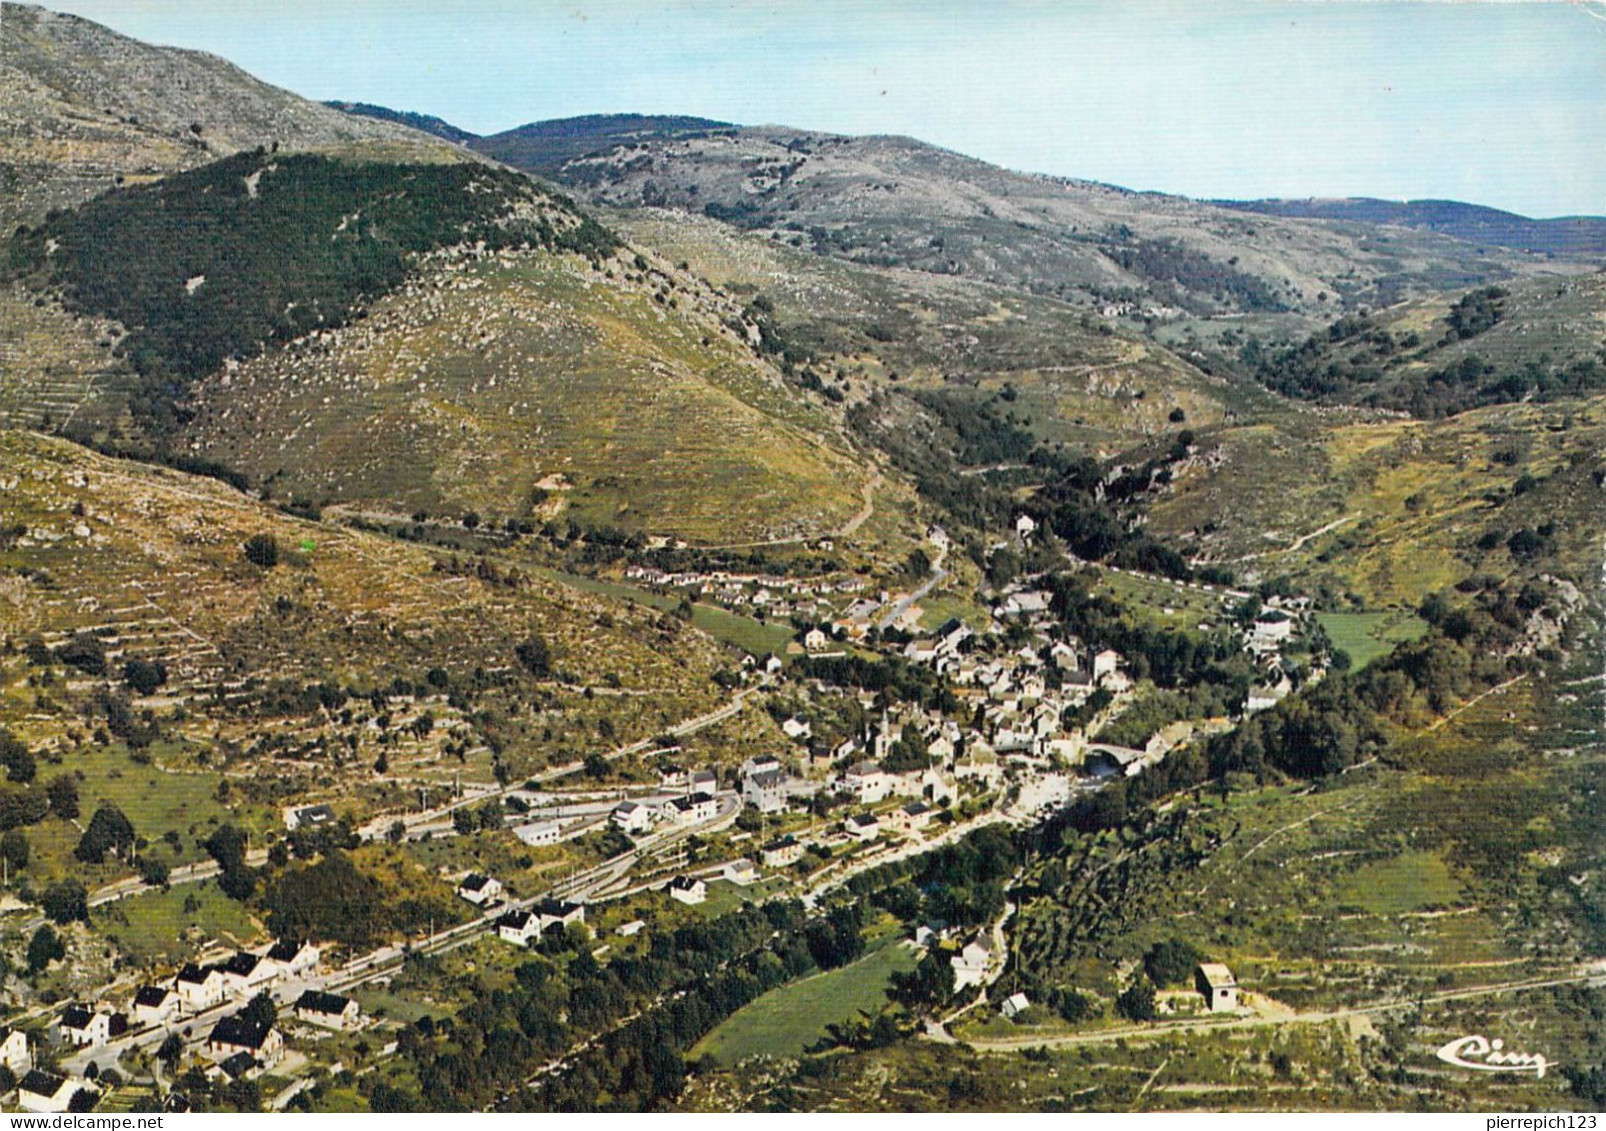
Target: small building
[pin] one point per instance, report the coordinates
(862, 826)
(1025, 527)
(1014, 1005)
(14, 1052)
(815, 640)
(766, 791)
(1217, 986)
(332, 1011)
(482, 891)
(539, 833)
(630, 929)
(796, 728)
(520, 928)
(631, 817)
(154, 1005)
(233, 1035)
(970, 965)
(781, 852)
(1272, 626)
(912, 817)
(1106, 664)
(46, 1093)
(703, 781)
(559, 912)
(293, 958)
(760, 764)
(688, 890)
(199, 987)
(741, 872)
(240, 1066)
(308, 816)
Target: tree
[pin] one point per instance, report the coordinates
(17, 758)
(154, 871)
(262, 550)
(535, 656)
(84, 652)
(109, 831)
(63, 795)
(14, 849)
(66, 901)
(463, 821)
(1171, 962)
(144, 676)
(171, 1051)
(260, 1010)
(1136, 1002)
(44, 948)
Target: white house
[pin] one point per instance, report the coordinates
(246, 974)
(780, 853)
(47, 1093)
(970, 965)
(867, 782)
(815, 640)
(741, 872)
(766, 791)
(519, 927)
(688, 889)
(153, 1005)
(1014, 1005)
(1106, 663)
(539, 833)
(862, 826)
(1217, 986)
(332, 1011)
(199, 987)
(760, 764)
(631, 817)
(1272, 626)
(14, 1050)
(556, 912)
(631, 929)
(703, 781)
(293, 958)
(309, 816)
(480, 890)
(694, 809)
(796, 728)
(1025, 527)
(86, 1028)
(233, 1035)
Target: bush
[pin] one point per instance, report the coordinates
(262, 550)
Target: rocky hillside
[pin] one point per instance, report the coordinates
(83, 108)
(888, 201)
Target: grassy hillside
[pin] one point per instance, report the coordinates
(1389, 510)
(527, 385)
(544, 147)
(1534, 339)
(1077, 378)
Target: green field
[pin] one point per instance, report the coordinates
(1411, 881)
(789, 1018)
(174, 925)
(1366, 636)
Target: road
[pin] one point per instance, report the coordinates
(1591, 974)
(933, 579)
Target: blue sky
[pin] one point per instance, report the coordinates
(1500, 103)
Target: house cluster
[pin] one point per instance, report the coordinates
(692, 890)
(1265, 639)
(197, 987)
(524, 926)
(697, 802)
(775, 596)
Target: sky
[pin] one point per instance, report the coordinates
(1497, 102)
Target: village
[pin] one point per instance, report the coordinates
(857, 781)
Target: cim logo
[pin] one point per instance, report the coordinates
(1483, 1055)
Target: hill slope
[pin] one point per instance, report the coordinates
(544, 147)
(888, 201)
(1582, 237)
(83, 108)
